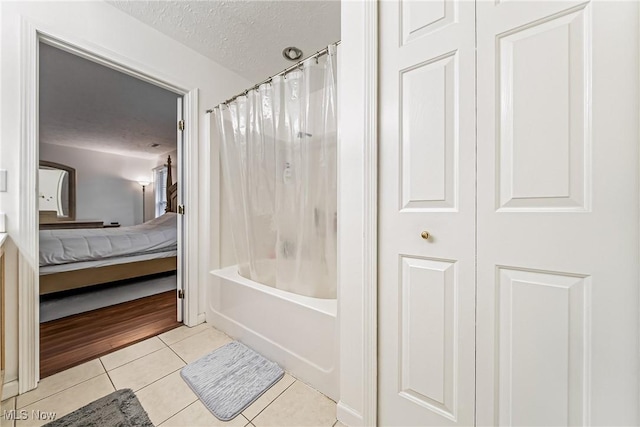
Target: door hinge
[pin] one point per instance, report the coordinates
(181, 125)
(181, 209)
(180, 294)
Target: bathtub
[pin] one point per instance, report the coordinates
(300, 333)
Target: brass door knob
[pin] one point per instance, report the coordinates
(425, 235)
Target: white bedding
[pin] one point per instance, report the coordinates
(91, 244)
(84, 265)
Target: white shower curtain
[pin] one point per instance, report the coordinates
(278, 155)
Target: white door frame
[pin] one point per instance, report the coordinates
(28, 284)
(357, 212)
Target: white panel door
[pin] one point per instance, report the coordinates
(427, 183)
(557, 227)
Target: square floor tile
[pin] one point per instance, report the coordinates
(269, 396)
(133, 352)
(197, 415)
(166, 397)
(299, 405)
(61, 381)
(142, 372)
(178, 334)
(6, 406)
(68, 400)
(194, 347)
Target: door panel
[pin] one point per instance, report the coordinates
(428, 135)
(557, 227)
(419, 18)
(543, 329)
(428, 333)
(543, 85)
(427, 183)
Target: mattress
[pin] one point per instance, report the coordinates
(58, 247)
(51, 269)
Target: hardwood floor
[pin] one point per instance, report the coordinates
(73, 340)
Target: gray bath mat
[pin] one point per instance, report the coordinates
(231, 378)
(118, 409)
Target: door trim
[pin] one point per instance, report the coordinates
(357, 213)
(28, 269)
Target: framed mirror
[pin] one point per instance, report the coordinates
(57, 192)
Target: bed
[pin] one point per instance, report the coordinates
(77, 258)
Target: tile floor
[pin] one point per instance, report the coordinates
(152, 369)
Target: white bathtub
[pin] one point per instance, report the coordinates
(297, 332)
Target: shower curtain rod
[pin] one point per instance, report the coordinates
(318, 54)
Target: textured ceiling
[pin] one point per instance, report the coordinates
(90, 106)
(244, 36)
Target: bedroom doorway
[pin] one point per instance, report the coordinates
(110, 209)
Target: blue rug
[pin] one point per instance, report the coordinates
(230, 379)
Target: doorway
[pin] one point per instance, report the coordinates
(28, 334)
(109, 174)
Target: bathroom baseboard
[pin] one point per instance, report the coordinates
(349, 416)
(10, 389)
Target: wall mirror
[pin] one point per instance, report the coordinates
(57, 192)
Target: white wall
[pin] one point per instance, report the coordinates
(98, 24)
(106, 184)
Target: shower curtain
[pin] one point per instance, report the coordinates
(278, 155)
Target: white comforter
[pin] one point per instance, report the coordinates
(65, 246)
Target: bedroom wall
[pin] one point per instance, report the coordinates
(162, 159)
(98, 24)
(106, 184)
